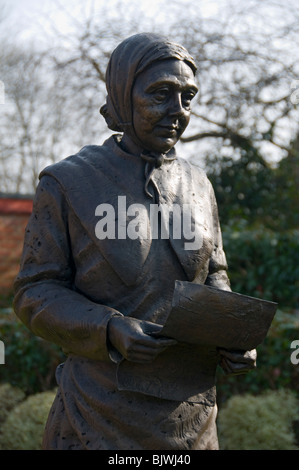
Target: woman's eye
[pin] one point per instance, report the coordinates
(187, 98)
(161, 95)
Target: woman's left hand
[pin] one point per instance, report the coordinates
(237, 362)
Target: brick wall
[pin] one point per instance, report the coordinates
(14, 215)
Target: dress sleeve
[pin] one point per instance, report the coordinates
(45, 299)
(217, 276)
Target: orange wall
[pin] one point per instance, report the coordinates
(14, 215)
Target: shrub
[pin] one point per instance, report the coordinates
(24, 426)
(9, 397)
(263, 422)
(274, 367)
(263, 263)
(30, 361)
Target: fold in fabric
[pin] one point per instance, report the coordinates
(153, 162)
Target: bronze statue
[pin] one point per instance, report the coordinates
(98, 275)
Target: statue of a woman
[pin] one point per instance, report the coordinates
(101, 291)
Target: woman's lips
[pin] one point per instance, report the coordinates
(167, 131)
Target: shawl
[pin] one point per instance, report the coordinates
(128, 60)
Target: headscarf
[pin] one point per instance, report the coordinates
(127, 61)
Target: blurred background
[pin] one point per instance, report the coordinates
(244, 132)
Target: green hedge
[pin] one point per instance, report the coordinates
(30, 362)
(264, 422)
(263, 263)
(274, 367)
(24, 426)
(9, 397)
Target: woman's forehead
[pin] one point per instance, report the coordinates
(170, 70)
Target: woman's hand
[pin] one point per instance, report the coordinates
(237, 362)
(132, 338)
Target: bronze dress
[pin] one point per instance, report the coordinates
(71, 283)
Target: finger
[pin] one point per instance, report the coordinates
(153, 348)
(152, 328)
(238, 366)
(142, 352)
(235, 368)
(141, 359)
(142, 356)
(152, 341)
(165, 342)
(246, 357)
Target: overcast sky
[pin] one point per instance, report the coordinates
(31, 17)
(29, 20)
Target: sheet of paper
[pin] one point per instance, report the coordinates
(206, 315)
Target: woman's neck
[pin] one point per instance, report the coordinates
(130, 146)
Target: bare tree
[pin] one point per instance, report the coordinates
(35, 119)
(246, 59)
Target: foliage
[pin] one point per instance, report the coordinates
(5, 301)
(263, 263)
(257, 207)
(274, 367)
(242, 186)
(23, 428)
(263, 422)
(9, 397)
(249, 189)
(30, 362)
(285, 210)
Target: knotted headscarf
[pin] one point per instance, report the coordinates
(128, 60)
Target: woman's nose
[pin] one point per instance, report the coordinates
(176, 107)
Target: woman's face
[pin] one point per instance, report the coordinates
(161, 98)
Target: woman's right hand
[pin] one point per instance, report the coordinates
(132, 338)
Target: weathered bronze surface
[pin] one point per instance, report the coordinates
(99, 267)
(206, 315)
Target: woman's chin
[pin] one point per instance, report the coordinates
(162, 145)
